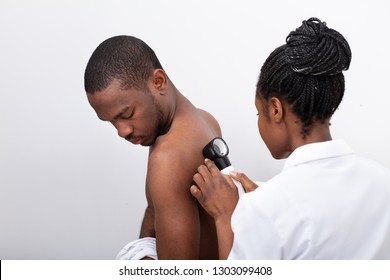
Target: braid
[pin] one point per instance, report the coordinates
(307, 72)
(316, 49)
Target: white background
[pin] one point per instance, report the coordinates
(70, 188)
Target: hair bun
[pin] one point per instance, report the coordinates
(315, 49)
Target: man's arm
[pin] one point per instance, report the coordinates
(177, 225)
(147, 226)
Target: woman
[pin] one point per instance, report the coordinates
(328, 202)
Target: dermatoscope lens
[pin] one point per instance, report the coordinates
(220, 147)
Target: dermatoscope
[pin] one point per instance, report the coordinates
(217, 150)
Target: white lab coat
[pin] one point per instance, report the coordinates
(327, 203)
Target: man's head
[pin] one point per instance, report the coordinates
(127, 86)
(125, 58)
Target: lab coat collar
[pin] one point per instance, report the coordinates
(317, 151)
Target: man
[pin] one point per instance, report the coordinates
(127, 86)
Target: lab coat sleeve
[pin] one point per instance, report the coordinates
(255, 236)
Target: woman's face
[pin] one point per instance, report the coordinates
(271, 126)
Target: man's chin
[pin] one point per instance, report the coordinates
(148, 142)
(145, 144)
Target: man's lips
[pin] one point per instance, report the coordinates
(135, 140)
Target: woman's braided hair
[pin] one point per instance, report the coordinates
(307, 72)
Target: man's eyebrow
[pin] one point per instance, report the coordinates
(117, 116)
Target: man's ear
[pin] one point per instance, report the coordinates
(159, 81)
(276, 109)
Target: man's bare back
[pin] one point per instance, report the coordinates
(183, 229)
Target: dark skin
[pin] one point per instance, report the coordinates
(175, 131)
(280, 129)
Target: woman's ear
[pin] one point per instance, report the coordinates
(159, 81)
(275, 109)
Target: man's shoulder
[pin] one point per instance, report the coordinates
(171, 167)
(194, 120)
(173, 153)
(166, 151)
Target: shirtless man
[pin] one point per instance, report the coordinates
(127, 86)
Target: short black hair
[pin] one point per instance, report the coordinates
(307, 72)
(126, 58)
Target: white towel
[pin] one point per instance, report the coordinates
(139, 249)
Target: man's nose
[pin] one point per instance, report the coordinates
(123, 128)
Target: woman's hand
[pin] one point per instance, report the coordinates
(247, 183)
(218, 195)
(215, 192)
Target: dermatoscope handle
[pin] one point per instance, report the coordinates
(226, 171)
